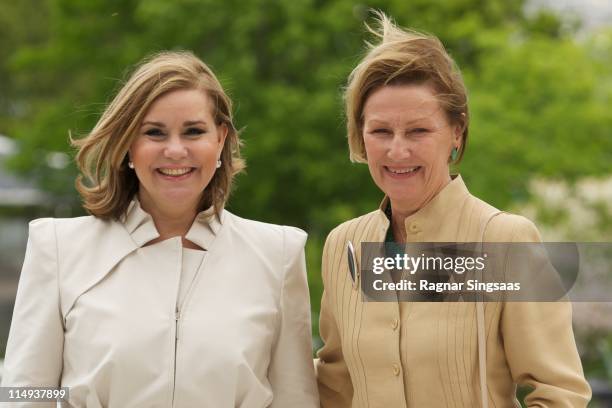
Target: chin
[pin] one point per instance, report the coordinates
(180, 196)
(406, 197)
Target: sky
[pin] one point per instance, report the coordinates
(594, 13)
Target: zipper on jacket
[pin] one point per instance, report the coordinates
(177, 312)
(177, 318)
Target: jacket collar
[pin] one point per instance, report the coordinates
(141, 227)
(428, 220)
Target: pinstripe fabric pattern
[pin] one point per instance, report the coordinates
(422, 354)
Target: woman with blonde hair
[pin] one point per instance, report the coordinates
(161, 297)
(407, 118)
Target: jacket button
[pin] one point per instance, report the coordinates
(396, 369)
(395, 324)
(414, 228)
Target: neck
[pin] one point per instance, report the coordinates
(170, 222)
(399, 212)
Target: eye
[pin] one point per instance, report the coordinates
(380, 131)
(419, 130)
(154, 132)
(193, 131)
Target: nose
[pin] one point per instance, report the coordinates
(175, 149)
(399, 148)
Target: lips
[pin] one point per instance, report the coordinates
(175, 171)
(402, 170)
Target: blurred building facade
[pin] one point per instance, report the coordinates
(20, 201)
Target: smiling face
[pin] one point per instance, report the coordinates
(408, 141)
(176, 150)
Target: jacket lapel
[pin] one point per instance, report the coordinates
(87, 251)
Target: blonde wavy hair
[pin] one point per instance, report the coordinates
(403, 57)
(106, 184)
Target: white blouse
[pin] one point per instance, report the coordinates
(123, 324)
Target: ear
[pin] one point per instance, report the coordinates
(458, 134)
(222, 131)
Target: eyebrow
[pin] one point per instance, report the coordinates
(187, 123)
(194, 122)
(381, 122)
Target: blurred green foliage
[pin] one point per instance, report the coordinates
(540, 98)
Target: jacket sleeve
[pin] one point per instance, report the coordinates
(291, 371)
(334, 380)
(34, 351)
(539, 344)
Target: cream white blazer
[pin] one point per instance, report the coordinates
(95, 315)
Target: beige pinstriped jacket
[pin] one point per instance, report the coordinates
(420, 354)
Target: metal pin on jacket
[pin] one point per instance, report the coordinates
(352, 264)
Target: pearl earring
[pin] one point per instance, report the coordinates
(218, 163)
(130, 165)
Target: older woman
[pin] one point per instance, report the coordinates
(407, 119)
(161, 297)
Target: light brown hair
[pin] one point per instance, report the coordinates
(403, 57)
(107, 184)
